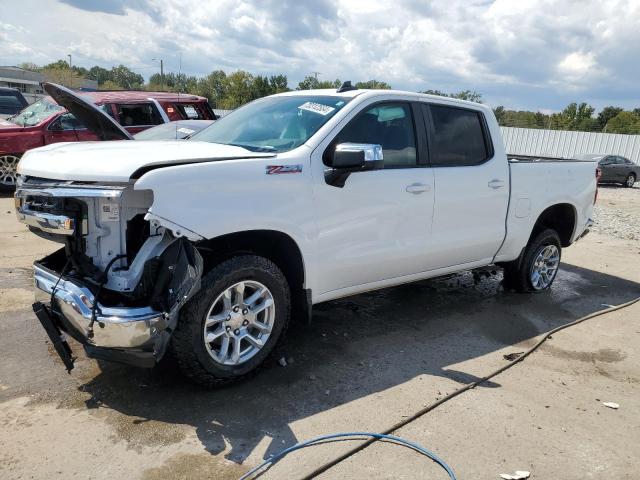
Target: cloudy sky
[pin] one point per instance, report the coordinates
(533, 54)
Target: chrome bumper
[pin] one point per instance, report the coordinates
(115, 327)
(56, 224)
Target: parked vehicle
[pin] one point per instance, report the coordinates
(615, 169)
(178, 130)
(210, 246)
(11, 102)
(45, 122)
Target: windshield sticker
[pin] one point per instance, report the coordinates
(280, 169)
(316, 108)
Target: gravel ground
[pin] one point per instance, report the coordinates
(617, 212)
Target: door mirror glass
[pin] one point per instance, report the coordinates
(367, 156)
(56, 126)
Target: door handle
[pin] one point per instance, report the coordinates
(417, 188)
(496, 183)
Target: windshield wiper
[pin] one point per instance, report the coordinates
(255, 148)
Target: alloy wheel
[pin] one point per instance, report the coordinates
(8, 170)
(545, 267)
(239, 322)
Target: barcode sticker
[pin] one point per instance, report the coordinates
(110, 212)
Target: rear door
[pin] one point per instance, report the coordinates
(471, 186)
(607, 168)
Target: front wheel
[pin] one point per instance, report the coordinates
(630, 181)
(536, 270)
(228, 329)
(8, 171)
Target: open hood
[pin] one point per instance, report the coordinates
(105, 127)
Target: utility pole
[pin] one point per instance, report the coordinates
(69, 60)
(70, 72)
(161, 75)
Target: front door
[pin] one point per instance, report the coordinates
(67, 128)
(377, 226)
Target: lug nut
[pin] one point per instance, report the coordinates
(236, 331)
(228, 329)
(236, 309)
(245, 311)
(245, 323)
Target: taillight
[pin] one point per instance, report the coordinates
(598, 175)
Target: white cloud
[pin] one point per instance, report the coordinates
(530, 53)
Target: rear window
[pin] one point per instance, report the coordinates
(139, 114)
(459, 137)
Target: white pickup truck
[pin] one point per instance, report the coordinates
(210, 246)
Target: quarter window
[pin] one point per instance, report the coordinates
(140, 114)
(458, 137)
(389, 125)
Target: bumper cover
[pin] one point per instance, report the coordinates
(116, 327)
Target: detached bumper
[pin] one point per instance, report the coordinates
(122, 334)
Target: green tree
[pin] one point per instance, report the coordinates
(374, 84)
(99, 74)
(607, 114)
(239, 90)
(499, 113)
(125, 78)
(214, 87)
(278, 83)
(624, 122)
(311, 83)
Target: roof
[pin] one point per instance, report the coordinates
(359, 91)
(109, 96)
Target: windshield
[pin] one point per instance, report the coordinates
(274, 124)
(592, 157)
(36, 112)
(170, 131)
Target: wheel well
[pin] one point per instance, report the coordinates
(561, 218)
(278, 247)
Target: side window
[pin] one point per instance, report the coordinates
(140, 114)
(68, 122)
(389, 125)
(458, 137)
(188, 111)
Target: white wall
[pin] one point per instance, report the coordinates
(564, 144)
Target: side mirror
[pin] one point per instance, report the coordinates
(359, 156)
(348, 158)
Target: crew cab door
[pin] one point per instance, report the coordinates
(377, 225)
(471, 186)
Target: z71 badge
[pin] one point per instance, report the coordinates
(280, 169)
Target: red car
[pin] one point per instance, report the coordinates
(45, 122)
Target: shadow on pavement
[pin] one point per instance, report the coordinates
(354, 348)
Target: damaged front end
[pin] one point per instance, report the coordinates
(121, 278)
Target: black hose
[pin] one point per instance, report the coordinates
(323, 468)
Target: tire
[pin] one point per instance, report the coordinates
(519, 275)
(631, 179)
(195, 356)
(8, 172)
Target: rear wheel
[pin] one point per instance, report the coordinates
(229, 328)
(630, 181)
(536, 270)
(8, 171)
